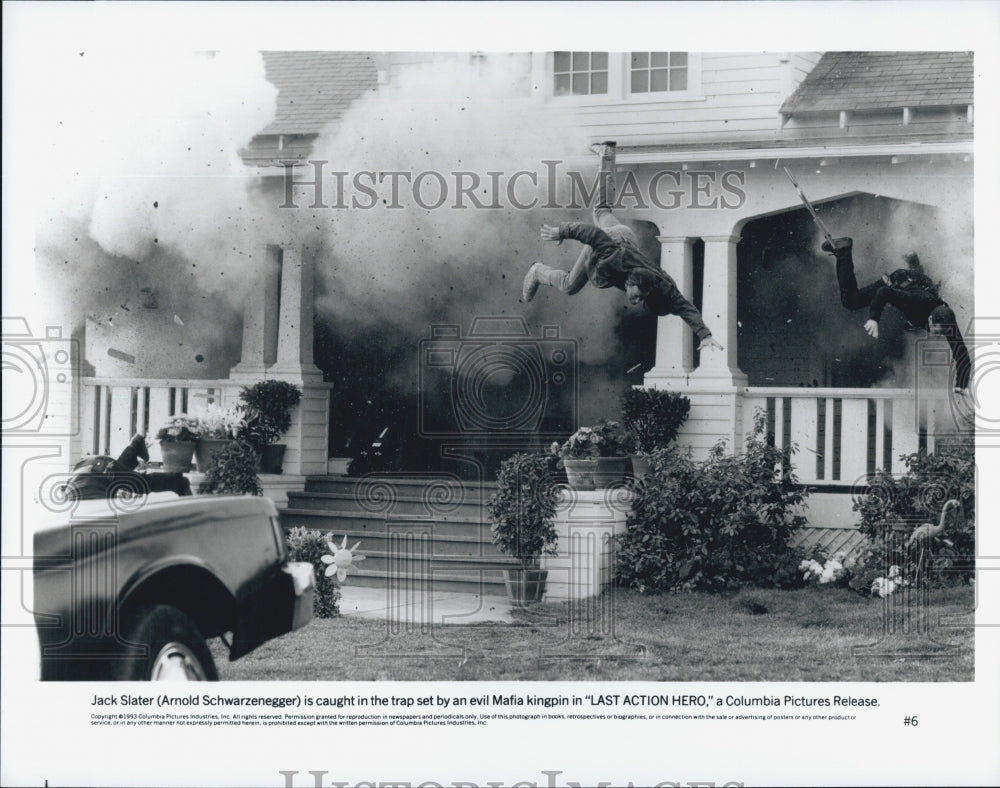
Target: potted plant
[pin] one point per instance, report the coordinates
(594, 457)
(178, 438)
(266, 408)
(217, 426)
(522, 511)
(652, 418)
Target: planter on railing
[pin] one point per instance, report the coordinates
(177, 456)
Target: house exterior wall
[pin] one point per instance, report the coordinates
(736, 98)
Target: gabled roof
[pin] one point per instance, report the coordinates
(862, 81)
(316, 88)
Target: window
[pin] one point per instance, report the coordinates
(580, 73)
(656, 72)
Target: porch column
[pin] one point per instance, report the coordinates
(718, 368)
(307, 438)
(295, 320)
(674, 343)
(260, 321)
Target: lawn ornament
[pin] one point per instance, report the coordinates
(341, 559)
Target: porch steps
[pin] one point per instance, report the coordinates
(424, 532)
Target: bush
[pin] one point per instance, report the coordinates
(233, 471)
(895, 505)
(311, 545)
(267, 409)
(523, 508)
(653, 417)
(713, 525)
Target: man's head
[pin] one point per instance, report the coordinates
(941, 320)
(638, 286)
(901, 277)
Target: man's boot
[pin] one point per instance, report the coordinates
(605, 173)
(841, 248)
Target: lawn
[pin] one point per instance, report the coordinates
(815, 634)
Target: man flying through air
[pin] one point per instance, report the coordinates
(909, 290)
(611, 258)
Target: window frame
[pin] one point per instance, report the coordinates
(620, 84)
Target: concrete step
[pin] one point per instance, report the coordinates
(468, 546)
(470, 507)
(367, 523)
(480, 582)
(406, 485)
(412, 564)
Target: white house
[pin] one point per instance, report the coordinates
(880, 142)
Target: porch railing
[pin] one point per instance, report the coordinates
(114, 409)
(844, 435)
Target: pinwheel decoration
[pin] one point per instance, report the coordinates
(341, 559)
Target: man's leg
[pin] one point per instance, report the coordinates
(850, 296)
(569, 282)
(606, 192)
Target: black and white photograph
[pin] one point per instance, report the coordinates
(510, 394)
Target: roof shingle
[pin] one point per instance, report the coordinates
(316, 88)
(848, 80)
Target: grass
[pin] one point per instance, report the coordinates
(753, 635)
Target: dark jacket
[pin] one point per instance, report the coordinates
(614, 263)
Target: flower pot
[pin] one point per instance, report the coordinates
(640, 466)
(177, 456)
(525, 586)
(206, 449)
(272, 457)
(580, 473)
(610, 471)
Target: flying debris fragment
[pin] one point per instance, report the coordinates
(128, 359)
(178, 321)
(634, 368)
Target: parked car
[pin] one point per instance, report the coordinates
(134, 595)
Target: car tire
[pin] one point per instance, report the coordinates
(176, 649)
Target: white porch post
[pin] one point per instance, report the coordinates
(674, 344)
(260, 318)
(295, 321)
(287, 333)
(718, 368)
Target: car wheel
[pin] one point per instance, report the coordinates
(176, 649)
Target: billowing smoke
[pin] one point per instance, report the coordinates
(414, 266)
(389, 274)
(153, 226)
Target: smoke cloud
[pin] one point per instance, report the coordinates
(153, 213)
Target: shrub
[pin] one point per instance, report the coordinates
(267, 409)
(717, 524)
(311, 545)
(895, 505)
(233, 471)
(653, 417)
(523, 508)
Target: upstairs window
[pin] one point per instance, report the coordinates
(659, 72)
(580, 73)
